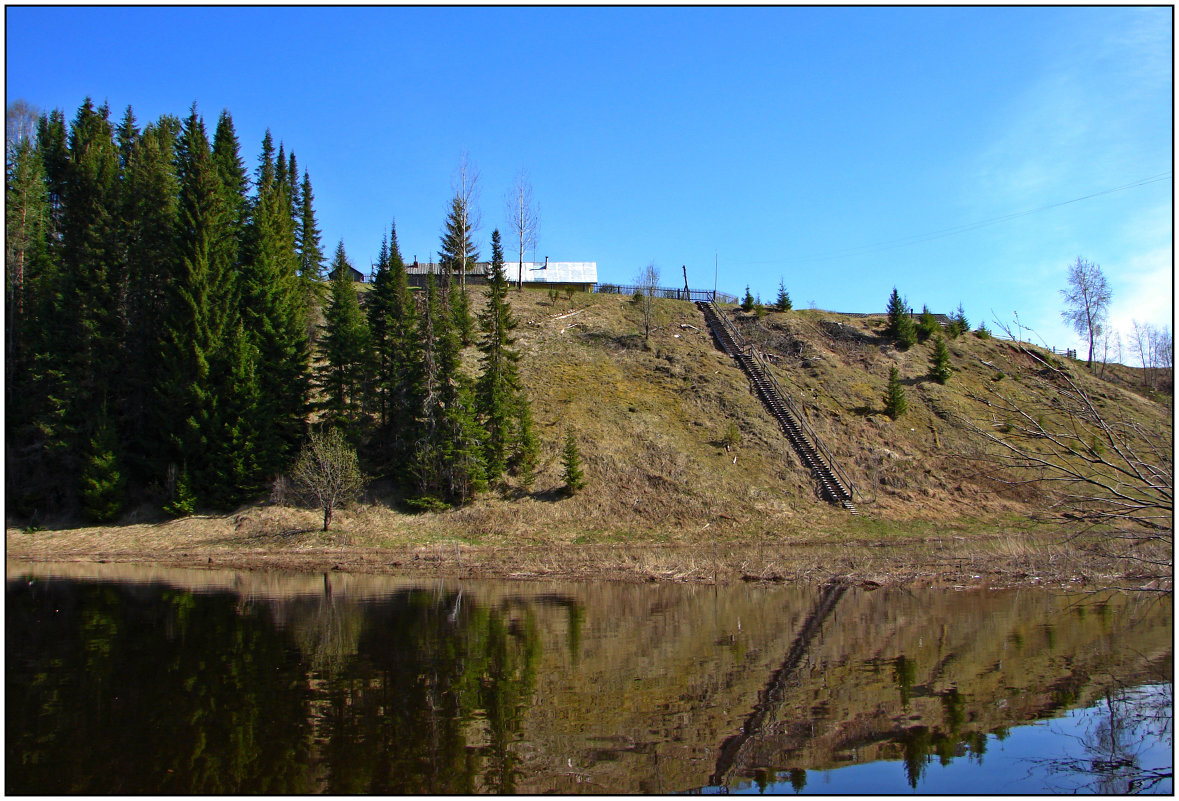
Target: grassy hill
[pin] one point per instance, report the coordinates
(666, 499)
(650, 422)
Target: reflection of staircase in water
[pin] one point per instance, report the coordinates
(734, 751)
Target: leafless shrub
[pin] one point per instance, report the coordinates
(1110, 476)
(328, 472)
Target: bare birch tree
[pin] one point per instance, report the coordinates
(647, 281)
(1142, 338)
(525, 220)
(328, 472)
(1086, 301)
(20, 123)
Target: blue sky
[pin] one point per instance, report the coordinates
(843, 150)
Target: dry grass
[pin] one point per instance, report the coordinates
(665, 498)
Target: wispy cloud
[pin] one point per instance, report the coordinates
(1143, 290)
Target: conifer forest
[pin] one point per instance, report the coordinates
(172, 336)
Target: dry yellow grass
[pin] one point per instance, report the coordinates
(649, 422)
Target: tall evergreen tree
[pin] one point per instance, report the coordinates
(308, 240)
(150, 218)
(92, 274)
(52, 144)
(275, 316)
(527, 455)
(127, 133)
(295, 195)
(102, 483)
(200, 382)
(234, 181)
(458, 251)
(26, 254)
(397, 358)
(497, 391)
(449, 453)
(345, 347)
(34, 385)
(460, 312)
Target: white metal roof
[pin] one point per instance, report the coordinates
(573, 272)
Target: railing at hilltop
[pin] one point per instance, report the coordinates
(666, 292)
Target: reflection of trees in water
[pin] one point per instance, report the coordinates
(1119, 731)
(121, 689)
(117, 689)
(433, 699)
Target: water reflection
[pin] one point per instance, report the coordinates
(219, 683)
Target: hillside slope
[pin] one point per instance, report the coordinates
(650, 421)
(666, 499)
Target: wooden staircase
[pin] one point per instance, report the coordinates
(834, 485)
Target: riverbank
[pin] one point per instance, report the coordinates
(284, 539)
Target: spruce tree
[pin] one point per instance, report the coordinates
(33, 377)
(206, 363)
(102, 483)
(748, 303)
(895, 403)
(344, 347)
(126, 134)
(897, 311)
(527, 453)
(458, 252)
(52, 144)
(90, 339)
(150, 219)
(460, 312)
(448, 459)
(571, 471)
(234, 181)
(276, 319)
(783, 302)
(958, 323)
(939, 362)
(396, 360)
(308, 242)
(900, 324)
(927, 325)
(498, 387)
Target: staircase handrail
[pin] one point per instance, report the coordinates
(748, 348)
(805, 426)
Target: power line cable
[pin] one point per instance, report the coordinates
(916, 239)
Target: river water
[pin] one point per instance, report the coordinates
(125, 680)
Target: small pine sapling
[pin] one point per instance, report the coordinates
(939, 363)
(927, 324)
(895, 403)
(783, 302)
(906, 332)
(571, 473)
(958, 323)
(748, 302)
(102, 483)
